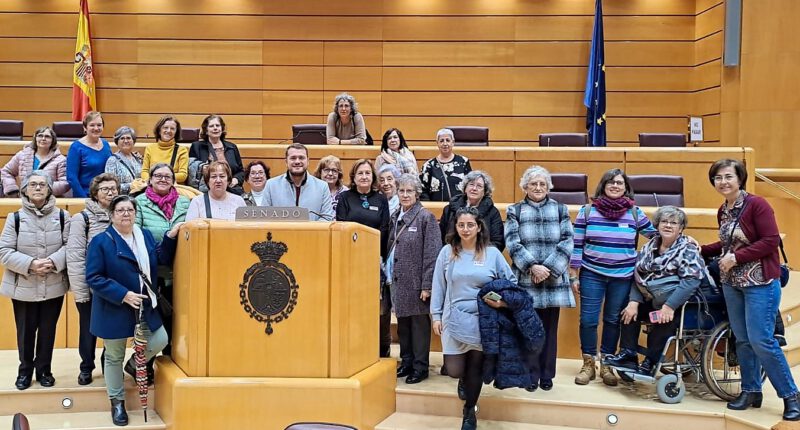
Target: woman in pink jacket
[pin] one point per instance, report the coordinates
(41, 154)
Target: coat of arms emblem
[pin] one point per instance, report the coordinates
(268, 291)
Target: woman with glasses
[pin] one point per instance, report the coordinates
(441, 175)
(121, 266)
(538, 233)
(255, 174)
(475, 191)
(33, 254)
(125, 164)
(363, 204)
(601, 267)
(750, 274)
(217, 203)
(463, 266)
(41, 154)
(329, 170)
(346, 124)
(85, 225)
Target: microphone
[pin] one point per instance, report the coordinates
(323, 216)
(548, 141)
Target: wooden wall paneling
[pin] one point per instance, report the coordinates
(305, 78)
(173, 6)
(628, 129)
(647, 104)
(422, 129)
(47, 25)
(36, 50)
(448, 53)
(707, 101)
(708, 49)
(180, 101)
(280, 126)
(772, 134)
(441, 28)
(631, 27)
(353, 79)
(438, 103)
(322, 7)
(703, 5)
(353, 53)
(645, 78)
(369, 102)
(182, 27)
(567, 7)
(180, 77)
(321, 28)
(707, 75)
(646, 53)
(36, 99)
(291, 53)
(35, 75)
(711, 128)
(710, 21)
(294, 102)
(201, 52)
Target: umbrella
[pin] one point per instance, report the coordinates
(140, 360)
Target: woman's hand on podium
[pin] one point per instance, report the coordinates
(174, 230)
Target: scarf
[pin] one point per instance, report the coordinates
(612, 209)
(143, 261)
(165, 203)
(681, 259)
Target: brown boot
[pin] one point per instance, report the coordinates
(607, 375)
(588, 371)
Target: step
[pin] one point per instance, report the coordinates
(792, 348)
(87, 421)
(790, 301)
(406, 421)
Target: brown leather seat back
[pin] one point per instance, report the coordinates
(470, 136)
(569, 188)
(309, 134)
(564, 139)
(662, 139)
(11, 129)
(657, 190)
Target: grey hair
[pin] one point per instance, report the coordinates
(670, 212)
(488, 185)
(122, 131)
(41, 173)
(532, 172)
(390, 168)
(410, 179)
(350, 99)
(445, 131)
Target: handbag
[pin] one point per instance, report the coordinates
(784, 266)
(164, 307)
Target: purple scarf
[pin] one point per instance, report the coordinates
(612, 209)
(165, 203)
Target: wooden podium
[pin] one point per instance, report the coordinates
(275, 323)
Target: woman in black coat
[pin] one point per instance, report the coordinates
(211, 147)
(476, 191)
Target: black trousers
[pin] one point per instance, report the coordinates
(385, 327)
(87, 342)
(656, 339)
(36, 334)
(166, 292)
(415, 341)
(545, 366)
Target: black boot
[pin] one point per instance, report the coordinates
(647, 367)
(626, 359)
(745, 400)
(791, 409)
(470, 421)
(118, 413)
(461, 393)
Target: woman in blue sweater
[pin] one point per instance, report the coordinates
(87, 156)
(604, 254)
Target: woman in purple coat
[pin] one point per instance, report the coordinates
(414, 244)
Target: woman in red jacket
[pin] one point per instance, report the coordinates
(750, 273)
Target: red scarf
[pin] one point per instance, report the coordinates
(165, 203)
(612, 209)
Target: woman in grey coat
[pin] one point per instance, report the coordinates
(33, 254)
(414, 244)
(538, 234)
(85, 225)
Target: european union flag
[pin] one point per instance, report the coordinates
(595, 95)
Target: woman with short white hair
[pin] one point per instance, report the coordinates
(442, 174)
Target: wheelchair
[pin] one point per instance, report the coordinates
(703, 346)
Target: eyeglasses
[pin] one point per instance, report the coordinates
(364, 202)
(726, 178)
(330, 171)
(538, 185)
(617, 183)
(37, 184)
(124, 211)
(257, 174)
(404, 192)
(669, 223)
(475, 185)
(466, 226)
(160, 177)
(107, 190)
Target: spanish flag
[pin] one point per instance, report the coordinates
(83, 92)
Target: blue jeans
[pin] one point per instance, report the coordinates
(115, 355)
(751, 311)
(594, 289)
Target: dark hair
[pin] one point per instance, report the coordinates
(94, 186)
(738, 166)
(295, 145)
(385, 141)
(91, 116)
(482, 240)
(214, 165)
(252, 164)
(161, 166)
(608, 177)
(356, 165)
(39, 131)
(160, 123)
(122, 198)
(204, 127)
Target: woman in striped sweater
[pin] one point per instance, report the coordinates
(601, 267)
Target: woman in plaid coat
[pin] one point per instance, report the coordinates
(538, 235)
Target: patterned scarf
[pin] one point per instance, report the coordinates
(612, 209)
(165, 203)
(681, 259)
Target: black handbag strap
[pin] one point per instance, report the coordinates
(133, 175)
(736, 222)
(783, 253)
(174, 155)
(207, 202)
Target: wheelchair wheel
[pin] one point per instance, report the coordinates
(691, 350)
(670, 390)
(720, 366)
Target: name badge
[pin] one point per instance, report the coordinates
(477, 263)
(623, 225)
(412, 229)
(373, 208)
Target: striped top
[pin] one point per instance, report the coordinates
(605, 246)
